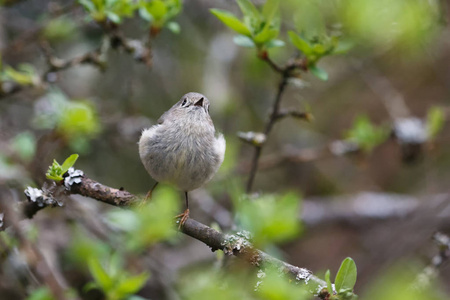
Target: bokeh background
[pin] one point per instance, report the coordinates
(378, 204)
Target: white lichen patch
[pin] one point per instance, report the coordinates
(73, 176)
(41, 197)
(254, 138)
(303, 275)
(410, 131)
(261, 275)
(236, 241)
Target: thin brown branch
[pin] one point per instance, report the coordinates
(294, 114)
(271, 121)
(264, 56)
(291, 69)
(56, 64)
(93, 189)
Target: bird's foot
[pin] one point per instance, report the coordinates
(183, 218)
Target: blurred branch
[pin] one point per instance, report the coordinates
(265, 56)
(283, 113)
(211, 237)
(113, 38)
(381, 86)
(426, 277)
(96, 58)
(38, 263)
(292, 155)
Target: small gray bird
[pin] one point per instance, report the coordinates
(183, 149)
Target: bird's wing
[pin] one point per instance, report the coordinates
(220, 146)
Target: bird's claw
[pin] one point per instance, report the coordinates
(184, 216)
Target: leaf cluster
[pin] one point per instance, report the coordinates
(148, 223)
(56, 171)
(158, 13)
(260, 29)
(23, 75)
(435, 121)
(365, 134)
(344, 281)
(76, 121)
(115, 282)
(270, 218)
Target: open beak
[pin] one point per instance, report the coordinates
(199, 102)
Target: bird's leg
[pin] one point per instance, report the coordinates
(184, 216)
(148, 196)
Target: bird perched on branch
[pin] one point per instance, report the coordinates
(183, 149)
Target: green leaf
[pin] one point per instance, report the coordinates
(132, 284)
(266, 35)
(174, 27)
(158, 9)
(69, 162)
(55, 171)
(366, 135)
(144, 14)
(343, 47)
(22, 78)
(346, 276)
(300, 43)
(274, 44)
(90, 286)
(88, 5)
(248, 9)
(435, 121)
(113, 17)
(231, 21)
(318, 72)
(60, 29)
(270, 218)
(99, 274)
(54, 177)
(270, 10)
(319, 49)
(42, 293)
(244, 41)
(24, 144)
(328, 281)
(78, 119)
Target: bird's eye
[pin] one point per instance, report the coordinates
(184, 102)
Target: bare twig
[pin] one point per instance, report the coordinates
(271, 121)
(291, 69)
(283, 113)
(264, 56)
(56, 64)
(430, 272)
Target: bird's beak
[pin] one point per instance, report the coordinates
(199, 102)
